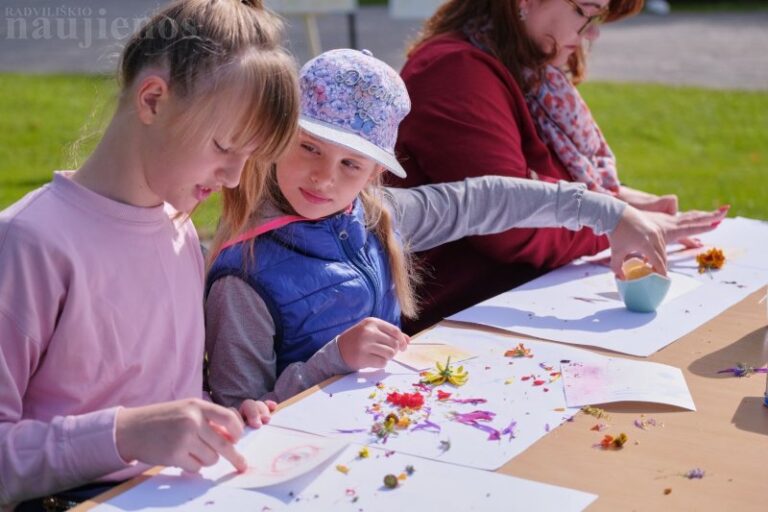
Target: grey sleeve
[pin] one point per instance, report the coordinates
(239, 342)
(431, 215)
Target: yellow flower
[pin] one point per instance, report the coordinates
(445, 373)
(363, 453)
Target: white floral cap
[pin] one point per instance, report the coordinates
(351, 98)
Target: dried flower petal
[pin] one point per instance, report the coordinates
(403, 422)
(341, 468)
(594, 411)
(519, 351)
(713, 259)
(473, 401)
(696, 473)
(406, 400)
(445, 373)
(744, 370)
(610, 442)
(510, 429)
(426, 425)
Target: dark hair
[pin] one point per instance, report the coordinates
(507, 38)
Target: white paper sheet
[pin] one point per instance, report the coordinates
(432, 486)
(522, 390)
(547, 308)
(277, 456)
(622, 380)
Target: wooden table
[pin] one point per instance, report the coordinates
(727, 436)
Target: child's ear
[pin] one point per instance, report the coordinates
(152, 95)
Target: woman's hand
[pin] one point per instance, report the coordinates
(647, 233)
(648, 202)
(371, 343)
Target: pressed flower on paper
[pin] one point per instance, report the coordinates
(445, 373)
(406, 400)
(519, 351)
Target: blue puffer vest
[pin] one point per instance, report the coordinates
(317, 278)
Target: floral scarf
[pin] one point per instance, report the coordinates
(565, 124)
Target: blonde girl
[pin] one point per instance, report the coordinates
(101, 274)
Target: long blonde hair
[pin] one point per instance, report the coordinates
(378, 220)
(222, 56)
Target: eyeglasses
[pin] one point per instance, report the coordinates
(592, 21)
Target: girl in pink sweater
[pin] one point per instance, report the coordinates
(101, 275)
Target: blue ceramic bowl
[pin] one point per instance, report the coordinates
(645, 294)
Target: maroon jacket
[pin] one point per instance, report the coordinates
(469, 118)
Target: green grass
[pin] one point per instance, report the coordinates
(718, 5)
(709, 147)
(51, 122)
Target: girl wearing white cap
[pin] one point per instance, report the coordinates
(313, 282)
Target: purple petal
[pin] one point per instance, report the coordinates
(493, 434)
(473, 401)
(426, 425)
(474, 416)
(510, 430)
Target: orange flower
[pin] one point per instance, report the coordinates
(713, 259)
(519, 351)
(610, 442)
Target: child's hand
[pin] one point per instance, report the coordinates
(648, 233)
(371, 343)
(257, 413)
(188, 434)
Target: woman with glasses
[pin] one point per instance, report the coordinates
(492, 87)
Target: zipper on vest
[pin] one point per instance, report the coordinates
(364, 269)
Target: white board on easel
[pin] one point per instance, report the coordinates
(413, 9)
(309, 10)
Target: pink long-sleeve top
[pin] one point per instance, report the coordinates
(100, 307)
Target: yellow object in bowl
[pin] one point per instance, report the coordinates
(635, 268)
